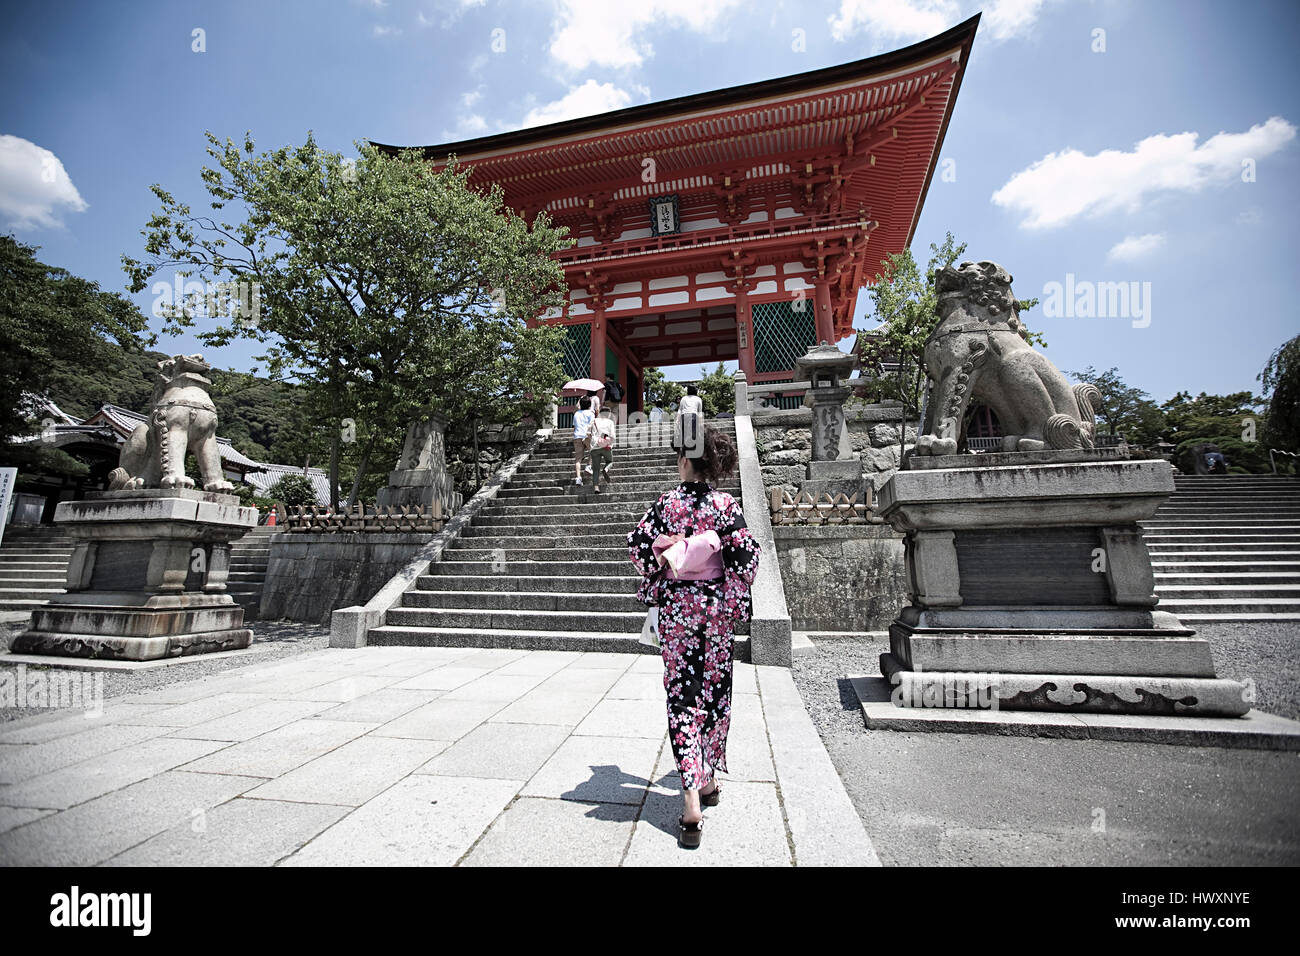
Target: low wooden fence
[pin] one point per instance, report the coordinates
(824, 509)
(402, 519)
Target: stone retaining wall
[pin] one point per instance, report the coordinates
(309, 575)
(842, 578)
(785, 443)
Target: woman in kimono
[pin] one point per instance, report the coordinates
(697, 559)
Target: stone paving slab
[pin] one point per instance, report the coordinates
(417, 756)
(423, 820)
(286, 748)
(241, 832)
(534, 831)
(102, 774)
(352, 774)
(93, 832)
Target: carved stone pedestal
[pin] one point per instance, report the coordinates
(147, 579)
(421, 477)
(1032, 589)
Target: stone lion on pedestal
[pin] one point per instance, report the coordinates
(980, 350)
(182, 418)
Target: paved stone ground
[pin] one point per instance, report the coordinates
(958, 799)
(273, 640)
(393, 755)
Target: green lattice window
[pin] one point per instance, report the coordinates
(782, 333)
(576, 351)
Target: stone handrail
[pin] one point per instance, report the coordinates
(350, 625)
(770, 634)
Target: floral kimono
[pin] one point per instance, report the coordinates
(696, 620)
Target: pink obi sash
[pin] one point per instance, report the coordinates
(697, 558)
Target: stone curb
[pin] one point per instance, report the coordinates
(350, 625)
(1254, 731)
(824, 826)
(770, 631)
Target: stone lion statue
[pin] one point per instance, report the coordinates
(980, 350)
(182, 418)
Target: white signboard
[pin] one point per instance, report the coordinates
(7, 478)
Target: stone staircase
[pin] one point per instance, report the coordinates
(542, 567)
(248, 559)
(1227, 548)
(33, 566)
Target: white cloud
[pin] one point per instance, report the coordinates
(383, 31)
(1131, 248)
(585, 100)
(1005, 19)
(887, 22)
(608, 33)
(1064, 186)
(1250, 217)
(34, 186)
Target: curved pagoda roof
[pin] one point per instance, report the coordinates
(867, 135)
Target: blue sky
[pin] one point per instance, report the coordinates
(1160, 151)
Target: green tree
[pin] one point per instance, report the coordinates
(293, 490)
(1233, 422)
(717, 390)
(49, 318)
(1281, 381)
(1125, 410)
(659, 389)
(383, 287)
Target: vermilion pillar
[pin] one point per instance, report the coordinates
(744, 334)
(822, 319)
(598, 343)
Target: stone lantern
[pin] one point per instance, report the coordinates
(833, 468)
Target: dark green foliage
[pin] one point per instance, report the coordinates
(717, 390)
(292, 490)
(659, 388)
(1124, 410)
(1233, 422)
(51, 318)
(1281, 380)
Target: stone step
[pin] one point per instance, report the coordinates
(1283, 590)
(16, 578)
(518, 583)
(1228, 567)
(1191, 574)
(1206, 541)
(575, 537)
(611, 622)
(13, 567)
(530, 497)
(493, 556)
(566, 521)
(10, 548)
(541, 532)
(648, 490)
(251, 577)
(524, 601)
(1201, 618)
(592, 504)
(524, 640)
(534, 568)
(1248, 605)
(21, 604)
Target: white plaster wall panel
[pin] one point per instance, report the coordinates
(790, 267)
(670, 298)
(700, 224)
(708, 295)
(670, 282)
(625, 287)
(798, 282)
(722, 323)
(707, 278)
(765, 288)
(765, 271)
(631, 302)
(785, 212)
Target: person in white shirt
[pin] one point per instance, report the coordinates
(688, 426)
(603, 435)
(582, 420)
(657, 413)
